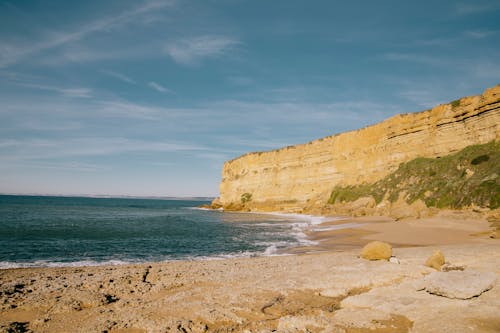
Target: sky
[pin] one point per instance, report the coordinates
(150, 97)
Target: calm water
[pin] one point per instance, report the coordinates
(59, 231)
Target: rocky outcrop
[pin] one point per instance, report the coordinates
(436, 260)
(301, 178)
(460, 285)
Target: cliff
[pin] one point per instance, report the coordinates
(301, 178)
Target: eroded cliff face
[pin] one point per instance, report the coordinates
(301, 178)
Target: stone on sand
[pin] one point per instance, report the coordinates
(376, 250)
(436, 260)
(394, 260)
(459, 284)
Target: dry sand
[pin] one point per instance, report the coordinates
(329, 291)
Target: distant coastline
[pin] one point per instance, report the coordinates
(111, 196)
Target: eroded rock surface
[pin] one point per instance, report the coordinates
(459, 284)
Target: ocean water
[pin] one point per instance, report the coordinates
(75, 231)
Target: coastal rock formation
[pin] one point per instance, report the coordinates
(301, 178)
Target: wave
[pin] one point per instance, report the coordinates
(269, 251)
(47, 263)
(311, 219)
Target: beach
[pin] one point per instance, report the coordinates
(326, 288)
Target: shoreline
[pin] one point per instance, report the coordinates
(320, 288)
(334, 291)
(323, 233)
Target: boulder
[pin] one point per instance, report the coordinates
(459, 284)
(436, 260)
(376, 251)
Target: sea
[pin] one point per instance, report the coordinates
(44, 231)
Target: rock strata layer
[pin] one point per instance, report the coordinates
(301, 178)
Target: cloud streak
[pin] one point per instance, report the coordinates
(34, 149)
(67, 92)
(13, 53)
(191, 51)
(470, 8)
(158, 87)
(119, 76)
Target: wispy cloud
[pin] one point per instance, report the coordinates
(122, 108)
(66, 166)
(471, 8)
(67, 92)
(191, 51)
(479, 34)
(119, 76)
(14, 53)
(34, 149)
(159, 87)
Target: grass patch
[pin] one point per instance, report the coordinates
(470, 176)
(455, 103)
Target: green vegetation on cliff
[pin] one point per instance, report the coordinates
(470, 176)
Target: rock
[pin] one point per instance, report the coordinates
(376, 251)
(394, 260)
(401, 210)
(436, 260)
(459, 284)
(216, 204)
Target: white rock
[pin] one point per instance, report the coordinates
(394, 260)
(459, 284)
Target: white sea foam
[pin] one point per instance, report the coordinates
(299, 228)
(46, 263)
(83, 263)
(271, 250)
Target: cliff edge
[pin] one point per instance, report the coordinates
(301, 178)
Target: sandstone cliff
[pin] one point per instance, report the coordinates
(300, 178)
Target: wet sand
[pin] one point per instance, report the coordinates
(330, 291)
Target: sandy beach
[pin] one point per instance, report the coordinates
(330, 290)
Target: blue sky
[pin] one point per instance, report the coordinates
(149, 98)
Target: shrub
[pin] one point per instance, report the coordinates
(480, 159)
(246, 197)
(455, 103)
(439, 182)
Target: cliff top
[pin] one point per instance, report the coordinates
(453, 104)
